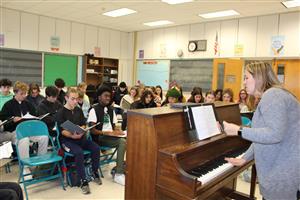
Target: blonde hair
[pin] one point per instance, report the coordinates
(80, 94)
(264, 76)
(20, 86)
(82, 85)
(71, 90)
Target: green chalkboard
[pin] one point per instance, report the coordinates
(60, 66)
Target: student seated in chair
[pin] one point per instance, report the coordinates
(17, 108)
(103, 112)
(50, 105)
(75, 143)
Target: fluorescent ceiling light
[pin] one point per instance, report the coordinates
(119, 12)
(291, 4)
(172, 2)
(224, 13)
(158, 23)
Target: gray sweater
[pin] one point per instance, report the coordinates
(275, 134)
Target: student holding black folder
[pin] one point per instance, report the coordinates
(75, 143)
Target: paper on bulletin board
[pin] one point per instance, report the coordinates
(238, 50)
(277, 45)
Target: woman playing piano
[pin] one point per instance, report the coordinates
(274, 134)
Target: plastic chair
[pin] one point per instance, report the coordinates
(37, 128)
(246, 121)
(65, 156)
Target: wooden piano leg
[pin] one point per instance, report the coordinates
(253, 182)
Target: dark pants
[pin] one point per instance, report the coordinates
(124, 121)
(10, 191)
(76, 147)
(115, 142)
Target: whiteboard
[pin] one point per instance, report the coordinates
(154, 72)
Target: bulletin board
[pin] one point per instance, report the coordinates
(60, 66)
(154, 72)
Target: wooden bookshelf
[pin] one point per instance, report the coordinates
(98, 70)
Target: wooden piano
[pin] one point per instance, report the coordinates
(162, 162)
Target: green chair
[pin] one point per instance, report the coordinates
(37, 128)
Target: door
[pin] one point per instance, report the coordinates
(227, 73)
(288, 73)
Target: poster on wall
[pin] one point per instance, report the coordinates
(1, 39)
(163, 51)
(54, 43)
(238, 50)
(141, 54)
(277, 45)
(97, 51)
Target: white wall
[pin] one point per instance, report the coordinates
(33, 32)
(254, 33)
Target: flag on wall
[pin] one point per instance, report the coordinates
(216, 46)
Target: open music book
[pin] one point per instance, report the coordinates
(201, 121)
(73, 128)
(29, 116)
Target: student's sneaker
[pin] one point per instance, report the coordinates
(120, 179)
(85, 187)
(97, 178)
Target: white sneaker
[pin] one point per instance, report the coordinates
(27, 170)
(120, 179)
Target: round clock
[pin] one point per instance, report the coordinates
(192, 46)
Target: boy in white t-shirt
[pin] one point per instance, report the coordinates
(103, 112)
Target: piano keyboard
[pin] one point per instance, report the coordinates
(215, 168)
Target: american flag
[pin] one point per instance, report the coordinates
(216, 47)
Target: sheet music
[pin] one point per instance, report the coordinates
(29, 116)
(205, 121)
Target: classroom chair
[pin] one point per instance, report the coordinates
(37, 128)
(66, 155)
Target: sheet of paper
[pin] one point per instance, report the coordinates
(29, 116)
(205, 121)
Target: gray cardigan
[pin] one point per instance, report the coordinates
(275, 134)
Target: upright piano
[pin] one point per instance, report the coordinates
(163, 163)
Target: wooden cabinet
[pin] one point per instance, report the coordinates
(99, 70)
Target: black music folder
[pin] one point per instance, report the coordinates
(73, 128)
